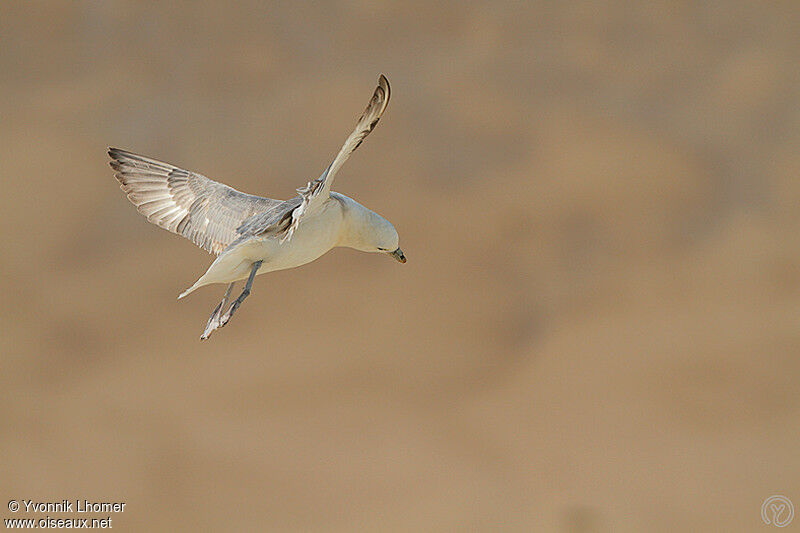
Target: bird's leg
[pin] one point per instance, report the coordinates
(245, 293)
(213, 322)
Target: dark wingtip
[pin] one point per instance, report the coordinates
(383, 81)
(113, 153)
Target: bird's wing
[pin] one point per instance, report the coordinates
(318, 190)
(274, 221)
(204, 211)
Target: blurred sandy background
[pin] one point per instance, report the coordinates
(597, 330)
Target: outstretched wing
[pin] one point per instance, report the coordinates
(318, 190)
(204, 211)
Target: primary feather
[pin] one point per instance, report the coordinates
(318, 190)
(204, 211)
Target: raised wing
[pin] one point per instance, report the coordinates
(318, 190)
(204, 211)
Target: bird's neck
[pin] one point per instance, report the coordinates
(358, 223)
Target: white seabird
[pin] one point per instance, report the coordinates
(249, 234)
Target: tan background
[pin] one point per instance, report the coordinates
(598, 327)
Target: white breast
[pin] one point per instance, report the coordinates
(318, 233)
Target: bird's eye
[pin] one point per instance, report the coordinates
(382, 249)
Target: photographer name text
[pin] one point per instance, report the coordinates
(71, 506)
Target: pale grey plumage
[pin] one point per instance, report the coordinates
(275, 220)
(204, 211)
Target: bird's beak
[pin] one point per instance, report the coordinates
(398, 254)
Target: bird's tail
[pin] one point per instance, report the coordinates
(197, 285)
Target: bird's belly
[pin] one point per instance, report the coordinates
(315, 235)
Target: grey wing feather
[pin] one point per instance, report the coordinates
(204, 211)
(275, 220)
(320, 188)
(366, 123)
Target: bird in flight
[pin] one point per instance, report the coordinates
(250, 234)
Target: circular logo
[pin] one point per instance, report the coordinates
(777, 510)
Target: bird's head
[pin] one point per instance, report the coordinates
(367, 231)
(384, 238)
